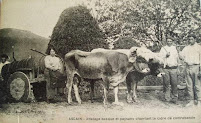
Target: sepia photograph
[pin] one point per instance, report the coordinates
(86, 61)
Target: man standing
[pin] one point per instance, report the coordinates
(3, 62)
(170, 56)
(191, 56)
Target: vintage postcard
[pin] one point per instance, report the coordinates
(80, 61)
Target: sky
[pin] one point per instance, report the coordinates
(37, 16)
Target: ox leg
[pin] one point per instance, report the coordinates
(128, 84)
(105, 85)
(76, 90)
(92, 90)
(116, 101)
(69, 88)
(135, 91)
(105, 101)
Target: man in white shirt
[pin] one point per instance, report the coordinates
(191, 55)
(3, 62)
(53, 66)
(170, 56)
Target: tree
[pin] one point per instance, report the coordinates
(160, 18)
(149, 21)
(76, 29)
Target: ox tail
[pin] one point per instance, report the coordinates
(71, 61)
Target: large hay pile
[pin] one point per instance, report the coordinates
(76, 29)
(20, 42)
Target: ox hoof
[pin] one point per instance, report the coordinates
(130, 101)
(70, 101)
(118, 103)
(129, 98)
(105, 106)
(136, 101)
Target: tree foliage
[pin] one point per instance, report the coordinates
(144, 21)
(147, 21)
(76, 29)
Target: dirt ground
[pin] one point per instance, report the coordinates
(149, 108)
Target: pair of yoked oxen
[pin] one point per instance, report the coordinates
(112, 67)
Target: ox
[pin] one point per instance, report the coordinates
(154, 63)
(144, 57)
(112, 67)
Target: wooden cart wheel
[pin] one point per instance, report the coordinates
(19, 86)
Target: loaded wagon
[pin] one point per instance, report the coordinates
(25, 79)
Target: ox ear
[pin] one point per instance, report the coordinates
(133, 50)
(133, 54)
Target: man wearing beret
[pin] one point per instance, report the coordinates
(170, 56)
(191, 56)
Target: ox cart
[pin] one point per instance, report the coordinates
(25, 79)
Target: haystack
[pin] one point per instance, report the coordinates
(76, 29)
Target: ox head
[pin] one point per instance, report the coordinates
(140, 63)
(145, 61)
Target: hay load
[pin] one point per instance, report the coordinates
(20, 42)
(76, 29)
